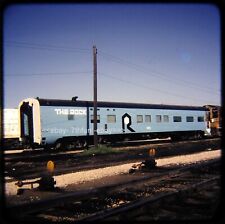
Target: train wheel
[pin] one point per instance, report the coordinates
(84, 143)
(80, 144)
(198, 135)
(59, 145)
(102, 140)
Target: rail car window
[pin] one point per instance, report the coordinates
(189, 119)
(200, 119)
(26, 127)
(71, 117)
(158, 118)
(165, 118)
(92, 118)
(111, 118)
(139, 119)
(214, 113)
(177, 119)
(147, 118)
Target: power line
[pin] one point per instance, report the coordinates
(157, 74)
(117, 59)
(48, 73)
(105, 75)
(147, 87)
(46, 47)
(101, 74)
(112, 57)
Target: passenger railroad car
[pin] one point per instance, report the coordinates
(69, 123)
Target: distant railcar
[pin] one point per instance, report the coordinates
(10, 128)
(214, 120)
(69, 123)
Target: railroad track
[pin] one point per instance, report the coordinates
(35, 154)
(32, 167)
(167, 206)
(131, 199)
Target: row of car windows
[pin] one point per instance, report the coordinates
(148, 118)
(165, 119)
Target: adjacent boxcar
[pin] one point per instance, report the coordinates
(66, 123)
(10, 128)
(214, 120)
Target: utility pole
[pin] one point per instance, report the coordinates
(95, 95)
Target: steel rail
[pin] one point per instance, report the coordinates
(141, 202)
(36, 155)
(21, 210)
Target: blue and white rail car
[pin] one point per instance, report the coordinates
(68, 122)
(47, 122)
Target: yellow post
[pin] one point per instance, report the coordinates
(50, 166)
(151, 152)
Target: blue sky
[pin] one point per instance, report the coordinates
(147, 53)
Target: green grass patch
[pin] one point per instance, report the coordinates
(100, 150)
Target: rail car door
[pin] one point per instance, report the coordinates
(26, 117)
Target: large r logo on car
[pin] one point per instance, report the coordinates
(126, 121)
